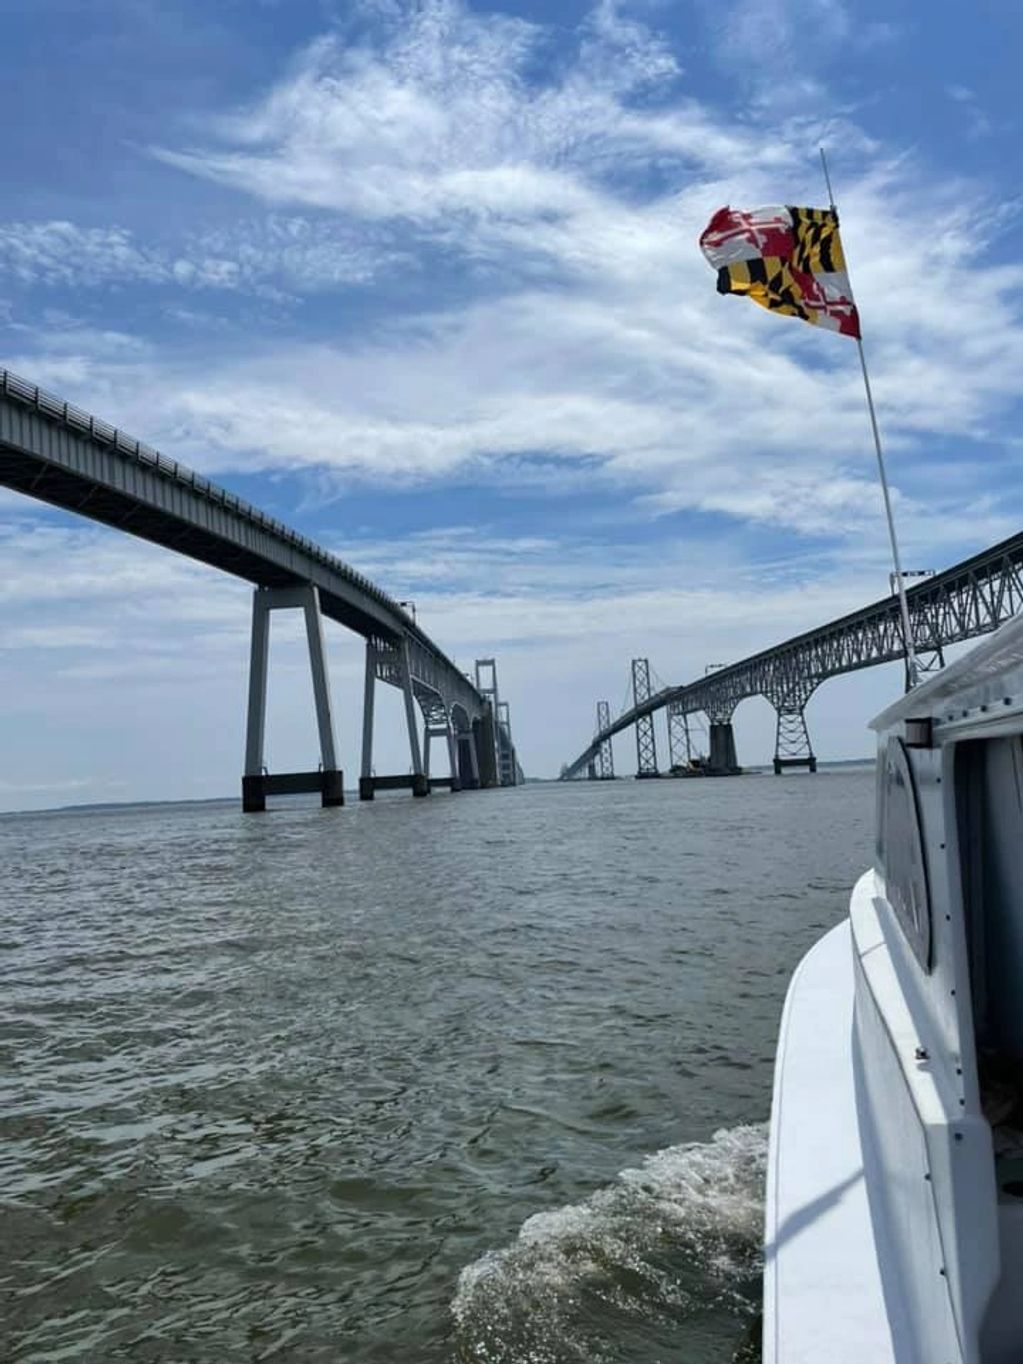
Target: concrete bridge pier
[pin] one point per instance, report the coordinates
(485, 732)
(437, 725)
(792, 746)
(486, 727)
(257, 783)
(420, 782)
(468, 763)
(390, 661)
(722, 760)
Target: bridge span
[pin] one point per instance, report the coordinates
(57, 453)
(967, 600)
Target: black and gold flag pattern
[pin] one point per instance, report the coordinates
(789, 260)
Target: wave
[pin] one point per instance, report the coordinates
(668, 1257)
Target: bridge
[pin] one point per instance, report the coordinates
(967, 600)
(57, 453)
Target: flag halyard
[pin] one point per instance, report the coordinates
(789, 260)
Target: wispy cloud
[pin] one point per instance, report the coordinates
(542, 197)
(271, 255)
(591, 330)
(978, 123)
(440, 127)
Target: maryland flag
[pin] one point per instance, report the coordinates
(786, 259)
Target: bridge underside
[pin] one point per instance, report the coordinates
(56, 453)
(122, 511)
(962, 602)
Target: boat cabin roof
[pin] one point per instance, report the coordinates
(989, 677)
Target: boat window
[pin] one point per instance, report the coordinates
(989, 814)
(900, 850)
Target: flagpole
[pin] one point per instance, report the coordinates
(907, 629)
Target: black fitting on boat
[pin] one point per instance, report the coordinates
(920, 733)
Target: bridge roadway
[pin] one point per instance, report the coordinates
(57, 453)
(967, 600)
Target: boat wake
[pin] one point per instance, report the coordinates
(668, 1257)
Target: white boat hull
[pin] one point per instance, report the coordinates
(823, 1297)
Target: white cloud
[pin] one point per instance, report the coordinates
(592, 331)
(441, 128)
(778, 35)
(270, 256)
(63, 253)
(583, 349)
(134, 660)
(978, 123)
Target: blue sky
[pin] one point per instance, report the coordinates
(423, 281)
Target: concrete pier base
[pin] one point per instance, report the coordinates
(255, 789)
(415, 782)
(722, 760)
(809, 762)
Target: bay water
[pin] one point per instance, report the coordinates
(478, 1079)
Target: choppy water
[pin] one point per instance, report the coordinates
(480, 1078)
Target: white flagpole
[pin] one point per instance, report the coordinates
(907, 629)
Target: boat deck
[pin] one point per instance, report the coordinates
(823, 1298)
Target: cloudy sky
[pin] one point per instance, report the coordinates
(421, 279)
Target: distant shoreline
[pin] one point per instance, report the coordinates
(111, 806)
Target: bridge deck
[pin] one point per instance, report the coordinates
(53, 451)
(969, 599)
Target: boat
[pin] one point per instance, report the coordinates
(894, 1208)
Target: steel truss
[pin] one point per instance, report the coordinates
(604, 764)
(646, 743)
(680, 748)
(970, 599)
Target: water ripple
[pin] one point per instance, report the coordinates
(281, 1088)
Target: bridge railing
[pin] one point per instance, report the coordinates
(105, 434)
(98, 430)
(968, 599)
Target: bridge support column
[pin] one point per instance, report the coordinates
(420, 782)
(390, 662)
(722, 761)
(456, 776)
(257, 783)
(486, 728)
(603, 763)
(930, 656)
(468, 765)
(646, 744)
(680, 749)
(792, 746)
(368, 705)
(437, 725)
(485, 731)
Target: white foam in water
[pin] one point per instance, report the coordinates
(664, 1243)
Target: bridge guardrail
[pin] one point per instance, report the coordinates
(98, 430)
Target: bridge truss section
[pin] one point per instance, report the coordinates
(604, 760)
(680, 747)
(962, 602)
(646, 742)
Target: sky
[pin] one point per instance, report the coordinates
(422, 280)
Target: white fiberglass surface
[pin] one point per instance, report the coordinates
(823, 1298)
